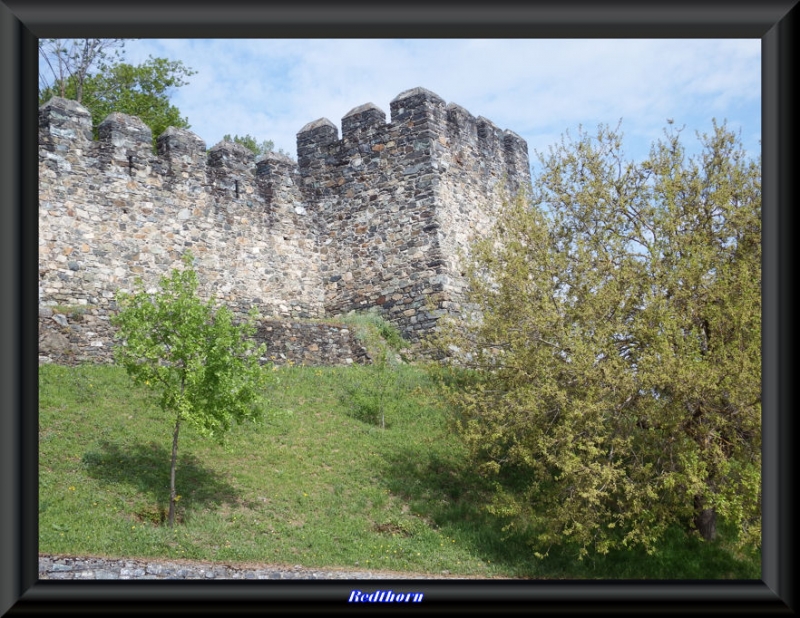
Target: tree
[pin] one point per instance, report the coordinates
(70, 60)
(617, 345)
(250, 142)
(205, 368)
(259, 149)
(142, 90)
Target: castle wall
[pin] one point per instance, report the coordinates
(85, 336)
(310, 343)
(481, 165)
(376, 218)
(375, 196)
(397, 201)
(111, 211)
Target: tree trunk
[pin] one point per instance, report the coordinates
(705, 521)
(171, 516)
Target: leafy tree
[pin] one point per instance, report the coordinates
(259, 149)
(251, 143)
(141, 90)
(617, 345)
(205, 368)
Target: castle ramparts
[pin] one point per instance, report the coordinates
(376, 218)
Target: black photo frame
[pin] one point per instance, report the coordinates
(22, 22)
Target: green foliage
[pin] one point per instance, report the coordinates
(376, 332)
(392, 336)
(205, 369)
(138, 90)
(259, 149)
(248, 141)
(371, 396)
(76, 312)
(619, 338)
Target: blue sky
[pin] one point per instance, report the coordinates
(538, 88)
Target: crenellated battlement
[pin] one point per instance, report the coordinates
(363, 122)
(374, 218)
(125, 142)
(418, 116)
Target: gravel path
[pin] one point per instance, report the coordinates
(81, 567)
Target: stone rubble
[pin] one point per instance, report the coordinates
(70, 567)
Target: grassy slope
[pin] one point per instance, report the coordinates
(312, 485)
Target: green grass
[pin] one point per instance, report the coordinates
(311, 484)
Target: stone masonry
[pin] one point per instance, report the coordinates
(376, 218)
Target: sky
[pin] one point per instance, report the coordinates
(538, 88)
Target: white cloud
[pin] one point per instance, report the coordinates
(538, 88)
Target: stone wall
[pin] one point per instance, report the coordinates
(81, 336)
(374, 219)
(310, 343)
(111, 211)
(85, 336)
